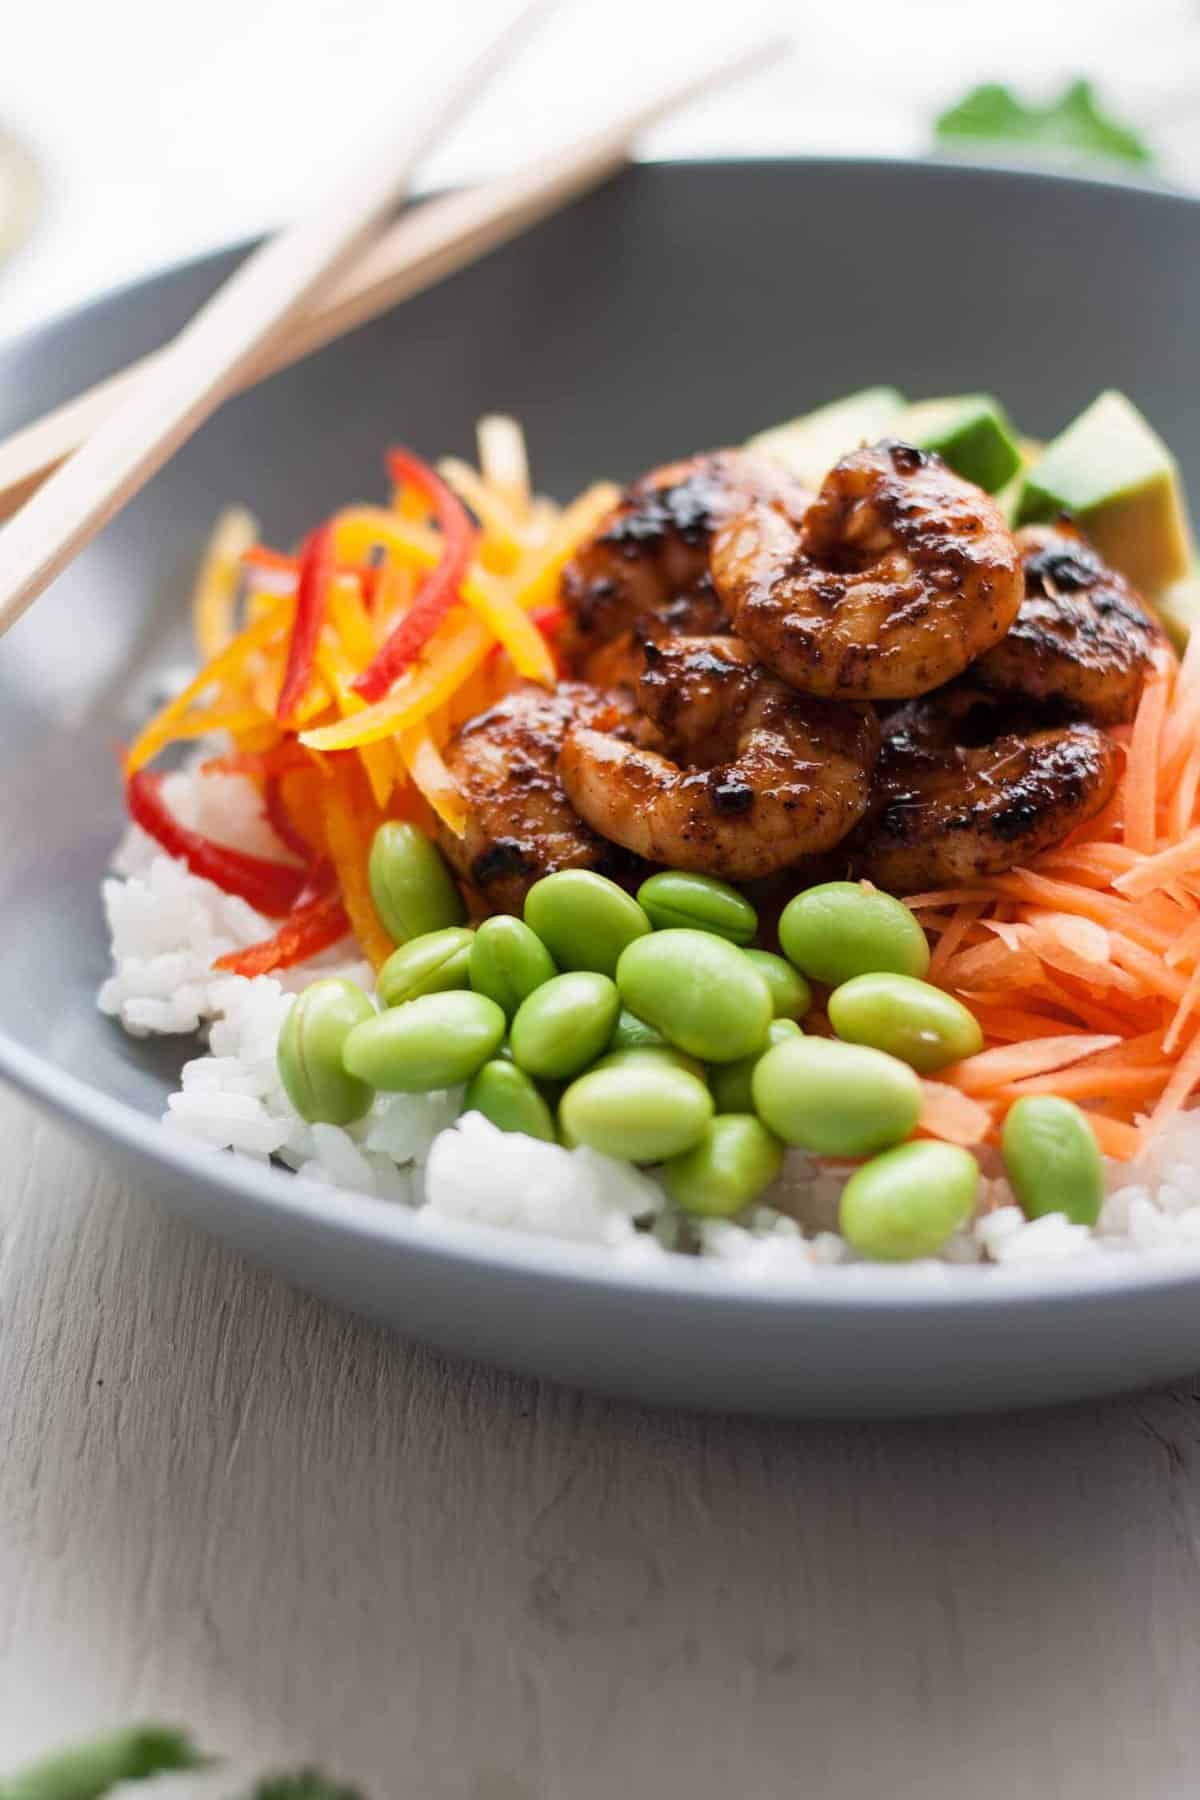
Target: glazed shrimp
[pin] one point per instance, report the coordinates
(749, 776)
(965, 789)
(520, 823)
(898, 576)
(649, 557)
(1082, 640)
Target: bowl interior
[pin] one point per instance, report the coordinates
(682, 306)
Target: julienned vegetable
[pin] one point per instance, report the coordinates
(270, 887)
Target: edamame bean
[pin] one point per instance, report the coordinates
(705, 996)
(910, 1019)
(731, 1165)
(1052, 1159)
(639, 1113)
(908, 1201)
(632, 1033)
(791, 995)
(505, 1095)
(846, 928)
(835, 1099)
(584, 920)
(309, 1053)
(564, 1025)
(433, 963)
(508, 961)
(731, 1083)
(677, 897)
(654, 1055)
(411, 886)
(435, 1041)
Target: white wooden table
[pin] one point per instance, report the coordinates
(222, 1503)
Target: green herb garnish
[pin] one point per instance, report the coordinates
(1074, 122)
(91, 1770)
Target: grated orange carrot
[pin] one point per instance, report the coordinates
(948, 1113)
(992, 1070)
(1141, 771)
(1179, 1089)
(1115, 1137)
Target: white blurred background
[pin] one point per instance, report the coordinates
(159, 130)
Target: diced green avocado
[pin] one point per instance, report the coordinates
(1009, 496)
(1120, 483)
(971, 431)
(1178, 608)
(810, 446)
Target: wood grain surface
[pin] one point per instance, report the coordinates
(222, 1503)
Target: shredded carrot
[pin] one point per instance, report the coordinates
(1115, 1137)
(994, 1069)
(1141, 774)
(948, 1113)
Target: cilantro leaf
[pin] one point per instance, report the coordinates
(1074, 122)
(91, 1770)
(304, 1784)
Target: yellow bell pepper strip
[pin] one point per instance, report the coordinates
(377, 760)
(504, 463)
(317, 571)
(221, 672)
(216, 591)
(270, 887)
(504, 539)
(454, 654)
(536, 582)
(440, 590)
(429, 774)
(349, 823)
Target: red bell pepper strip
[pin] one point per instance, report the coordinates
(310, 928)
(317, 571)
(439, 590)
(270, 887)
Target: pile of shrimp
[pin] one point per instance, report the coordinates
(883, 681)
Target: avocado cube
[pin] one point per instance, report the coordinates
(1120, 483)
(1178, 608)
(810, 446)
(970, 431)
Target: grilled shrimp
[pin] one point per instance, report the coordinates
(1082, 640)
(898, 576)
(649, 557)
(965, 789)
(520, 823)
(747, 776)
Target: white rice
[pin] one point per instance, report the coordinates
(168, 926)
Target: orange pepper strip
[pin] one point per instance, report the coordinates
(349, 827)
(451, 656)
(423, 760)
(215, 595)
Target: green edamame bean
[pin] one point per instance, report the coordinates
(910, 1019)
(433, 963)
(508, 961)
(435, 1041)
(791, 995)
(705, 996)
(584, 919)
(632, 1033)
(835, 1099)
(640, 1113)
(731, 1083)
(505, 1095)
(564, 1025)
(309, 1053)
(846, 928)
(678, 897)
(1052, 1159)
(908, 1201)
(654, 1055)
(411, 885)
(731, 1165)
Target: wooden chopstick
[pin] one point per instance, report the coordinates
(428, 244)
(167, 402)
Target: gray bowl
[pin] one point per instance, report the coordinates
(682, 306)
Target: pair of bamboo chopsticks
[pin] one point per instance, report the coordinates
(63, 478)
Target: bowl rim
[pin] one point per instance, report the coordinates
(480, 1249)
